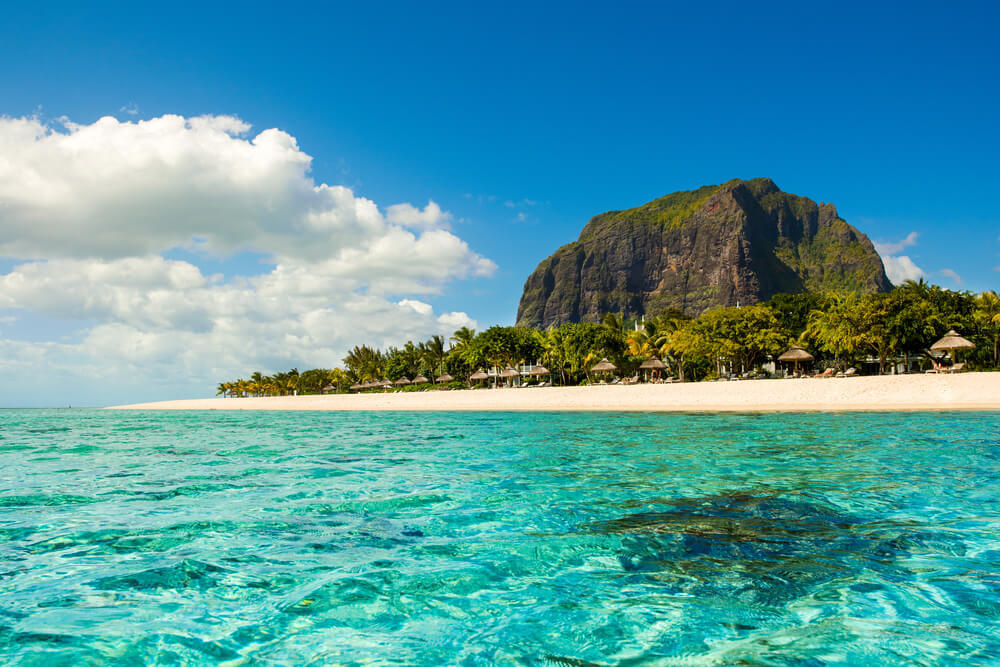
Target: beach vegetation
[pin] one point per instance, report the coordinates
(873, 332)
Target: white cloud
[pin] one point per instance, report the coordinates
(118, 189)
(890, 248)
(131, 109)
(89, 209)
(899, 268)
(181, 329)
(407, 214)
(950, 273)
(902, 268)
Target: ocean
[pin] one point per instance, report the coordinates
(498, 538)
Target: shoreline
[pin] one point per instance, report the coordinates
(890, 393)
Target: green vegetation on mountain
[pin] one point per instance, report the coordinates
(721, 245)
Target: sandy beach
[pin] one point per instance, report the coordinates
(968, 391)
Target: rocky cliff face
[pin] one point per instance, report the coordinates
(741, 242)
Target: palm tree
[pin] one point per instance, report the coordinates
(988, 318)
(434, 352)
(463, 337)
(613, 321)
(554, 354)
(364, 363)
(258, 383)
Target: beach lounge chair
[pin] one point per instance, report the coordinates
(828, 373)
(850, 372)
(954, 368)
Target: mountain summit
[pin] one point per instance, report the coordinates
(720, 245)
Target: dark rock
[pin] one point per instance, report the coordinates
(741, 242)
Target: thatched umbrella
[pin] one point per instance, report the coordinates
(479, 375)
(508, 373)
(445, 378)
(356, 387)
(795, 354)
(652, 364)
(420, 379)
(328, 388)
(604, 366)
(539, 371)
(387, 383)
(402, 381)
(952, 342)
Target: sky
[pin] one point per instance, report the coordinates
(191, 193)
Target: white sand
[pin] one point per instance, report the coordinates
(966, 391)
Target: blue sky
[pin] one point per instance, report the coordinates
(522, 122)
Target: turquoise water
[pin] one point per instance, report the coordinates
(549, 538)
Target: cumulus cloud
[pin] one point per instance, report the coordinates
(407, 214)
(899, 268)
(890, 248)
(90, 211)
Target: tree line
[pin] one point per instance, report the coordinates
(839, 330)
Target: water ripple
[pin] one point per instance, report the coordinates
(559, 539)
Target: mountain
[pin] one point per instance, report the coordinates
(720, 245)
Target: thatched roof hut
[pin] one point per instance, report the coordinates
(604, 366)
(952, 341)
(402, 381)
(652, 364)
(480, 374)
(795, 353)
(420, 379)
(445, 378)
(539, 370)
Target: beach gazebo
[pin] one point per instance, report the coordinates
(538, 371)
(795, 354)
(604, 366)
(420, 379)
(444, 378)
(652, 364)
(402, 382)
(951, 342)
(509, 373)
(479, 375)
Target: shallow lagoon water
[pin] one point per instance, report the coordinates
(492, 538)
